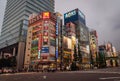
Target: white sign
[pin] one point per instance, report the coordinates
(69, 14)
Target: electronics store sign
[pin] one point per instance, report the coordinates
(69, 14)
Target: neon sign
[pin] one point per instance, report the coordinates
(46, 15)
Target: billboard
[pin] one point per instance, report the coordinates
(74, 15)
(35, 42)
(52, 50)
(45, 50)
(52, 42)
(67, 42)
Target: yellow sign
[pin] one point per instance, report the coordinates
(46, 15)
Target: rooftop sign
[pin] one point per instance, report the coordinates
(69, 14)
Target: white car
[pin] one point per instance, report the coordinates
(5, 70)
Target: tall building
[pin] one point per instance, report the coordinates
(42, 41)
(75, 20)
(15, 25)
(93, 47)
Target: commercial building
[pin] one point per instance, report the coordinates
(101, 60)
(108, 56)
(94, 47)
(76, 27)
(15, 25)
(111, 55)
(42, 41)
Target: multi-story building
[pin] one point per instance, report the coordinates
(101, 59)
(111, 56)
(93, 47)
(41, 49)
(77, 20)
(15, 25)
(108, 56)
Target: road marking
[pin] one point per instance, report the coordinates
(109, 78)
(44, 77)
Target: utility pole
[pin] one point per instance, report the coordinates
(61, 48)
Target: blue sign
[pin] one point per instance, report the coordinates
(70, 14)
(56, 53)
(45, 50)
(73, 16)
(57, 28)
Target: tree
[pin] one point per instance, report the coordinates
(12, 61)
(73, 66)
(8, 62)
(75, 54)
(79, 55)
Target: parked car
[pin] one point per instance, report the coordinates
(51, 69)
(7, 70)
(0, 71)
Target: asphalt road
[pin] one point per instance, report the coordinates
(61, 76)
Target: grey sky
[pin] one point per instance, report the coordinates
(102, 15)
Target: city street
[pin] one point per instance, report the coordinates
(63, 76)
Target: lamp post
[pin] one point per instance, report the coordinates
(61, 48)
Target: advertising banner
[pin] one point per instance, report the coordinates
(35, 42)
(45, 50)
(67, 42)
(40, 42)
(39, 45)
(56, 53)
(52, 50)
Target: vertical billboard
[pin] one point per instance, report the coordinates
(67, 42)
(39, 46)
(52, 50)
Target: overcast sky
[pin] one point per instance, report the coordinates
(101, 15)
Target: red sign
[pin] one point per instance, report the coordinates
(46, 15)
(40, 42)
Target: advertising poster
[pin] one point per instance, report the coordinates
(39, 45)
(67, 42)
(52, 50)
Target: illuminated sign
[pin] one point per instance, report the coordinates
(56, 53)
(39, 54)
(45, 50)
(57, 28)
(69, 14)
(40, 42)
(73, 16)
(36, 18)
(46, 15)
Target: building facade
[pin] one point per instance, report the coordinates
(41, 48)
(94, 47)
(76, 27)
(108, 56)
(111, 55)
(15, 25)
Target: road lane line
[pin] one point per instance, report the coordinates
(109, 78)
